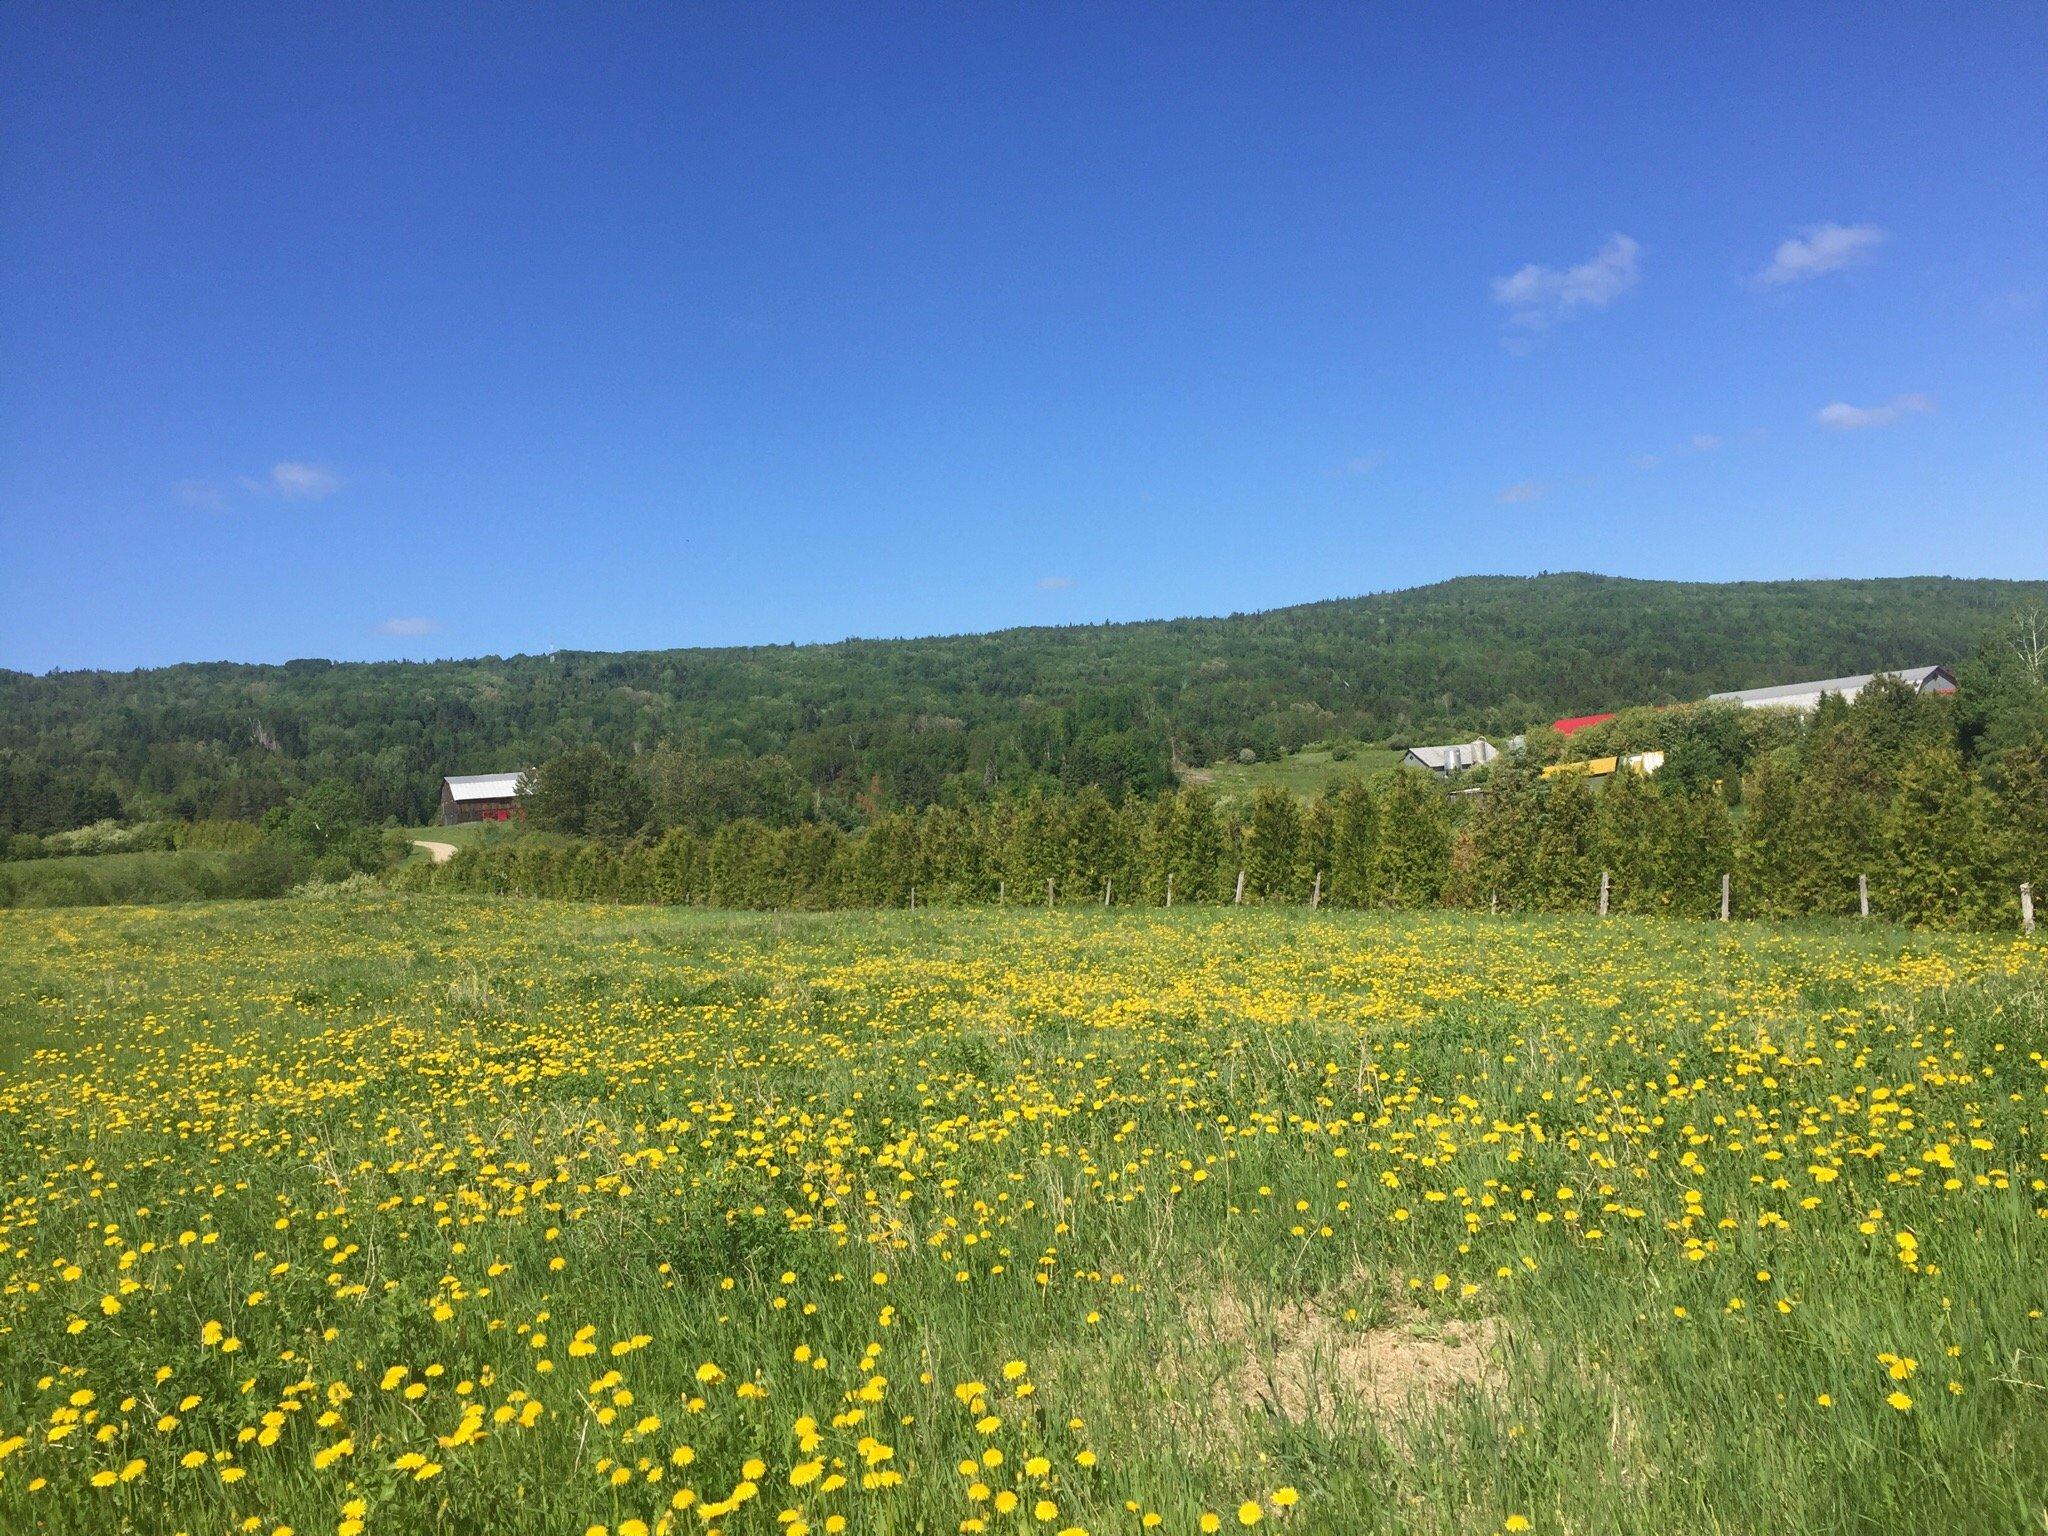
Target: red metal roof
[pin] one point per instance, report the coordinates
(1573, 723)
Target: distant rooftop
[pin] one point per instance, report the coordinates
(482, 786)
(1935, 679)
(1456, 757)
(1573, 723)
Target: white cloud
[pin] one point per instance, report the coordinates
(296, 481)
(1365, 463)
(288, 480)
(1540, 296)
(1705, 442)
(1844, 417)
(1818, 249)
(1645, 461)
(1054, 583)
(1526, 490)
(200, 493)
(408, 628)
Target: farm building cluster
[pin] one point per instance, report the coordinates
(1445, 761)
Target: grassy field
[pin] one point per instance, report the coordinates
(1306, 774)
(402, 1214)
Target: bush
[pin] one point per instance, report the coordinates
(148, 878)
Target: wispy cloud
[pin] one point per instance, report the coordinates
(288, 480)
(1817, 250)
(408, 628)
(1525, 490)
(1365, 463)
(203, 494)
(1844, 417)
(1539, 296)
(296, 481)
(1054, 583)
(1645, 460)
(1705, 442)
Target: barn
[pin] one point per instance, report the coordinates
(480, 797)
(1807, 696)
(1455, 758)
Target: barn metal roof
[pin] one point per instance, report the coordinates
(1450, 759)
(482, 786)
(1571, 723)
(1808, 694)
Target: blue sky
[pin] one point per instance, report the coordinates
(445, 331)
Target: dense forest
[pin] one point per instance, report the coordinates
(840, 733)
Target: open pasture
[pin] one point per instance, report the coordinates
(439, 1214)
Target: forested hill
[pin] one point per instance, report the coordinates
(869, 722)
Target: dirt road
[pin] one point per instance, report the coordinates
(440, 853)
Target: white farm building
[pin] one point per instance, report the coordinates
(1445, 761)
(1807, 696)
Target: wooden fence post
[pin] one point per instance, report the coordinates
(1315, 897)
(1002, 893)
(1603, 893)
(1169, 887)
(1493, 904)
(1238, 899)
(2026, 907)
(1105, 890)
(913, 898)
(1863, 895)
(1048, 895)
(1724, 898)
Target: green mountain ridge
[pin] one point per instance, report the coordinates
(856, 723)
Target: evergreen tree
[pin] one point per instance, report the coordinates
(1198, 848)
(1032, 849)
(1627, 825)
(1091, 837)
(2020, 820)
(1939, 855)
(1354, 844)
(1565, 875)
(1695, 846)
(1313, 847)
(951, 859)
(882, 863)
(1414, 845)
(1272, 833)
(1500, 837)
(740, 863)
(1157, 839)
(809, 856)
(677, 865)
(1767, 847)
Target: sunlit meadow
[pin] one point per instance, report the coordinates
(390, 1215)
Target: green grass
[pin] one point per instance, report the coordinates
(1378, 1223)
(1305, 774)
(98, 879)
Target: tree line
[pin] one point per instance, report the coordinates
(842, 732)
(1879, 790)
